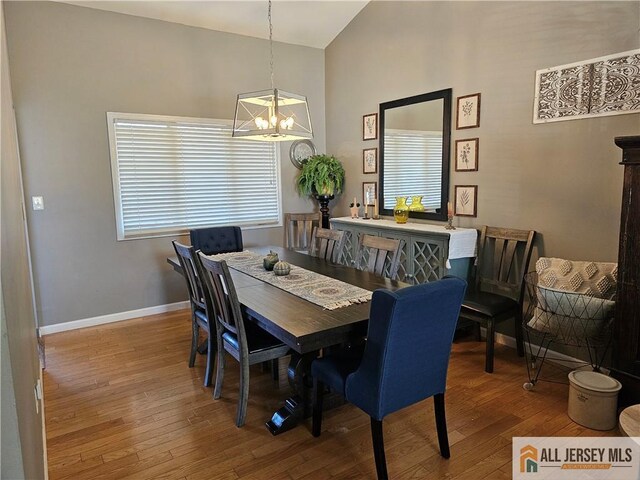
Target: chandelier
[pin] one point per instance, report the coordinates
(272, 115)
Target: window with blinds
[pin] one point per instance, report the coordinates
(412, 166)
(171, 174)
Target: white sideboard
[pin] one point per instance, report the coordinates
(430, 251)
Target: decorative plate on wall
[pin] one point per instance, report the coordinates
(301, 150)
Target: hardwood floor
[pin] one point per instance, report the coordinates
(121, 403)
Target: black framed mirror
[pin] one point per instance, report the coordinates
(415, 142)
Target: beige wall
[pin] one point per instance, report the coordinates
(70, 65)
(561, 179)
(22, 442)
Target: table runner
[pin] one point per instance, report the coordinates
(321, 290)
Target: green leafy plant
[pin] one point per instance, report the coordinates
(321, 175)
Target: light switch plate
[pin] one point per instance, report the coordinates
(37, 203)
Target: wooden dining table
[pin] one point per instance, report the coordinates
(302, 325)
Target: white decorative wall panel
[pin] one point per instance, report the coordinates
(601, 86)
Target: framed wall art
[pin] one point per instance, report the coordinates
(370, 126)
(468, 111)
(466, 197)
(370, 160)
(467, 155)
(369, 192)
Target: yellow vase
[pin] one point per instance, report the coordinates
(416, 204)
(401, 210)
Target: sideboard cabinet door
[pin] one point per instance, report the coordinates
(428, 255)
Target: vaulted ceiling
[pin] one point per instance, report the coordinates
(313, 23)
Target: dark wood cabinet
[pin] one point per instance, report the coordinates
(626, 348)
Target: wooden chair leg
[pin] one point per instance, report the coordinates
(519, 336)
(378, 449)
(195, 333)
(441, 424)
(488, 367)
(318, 390)
(217, 390)
(477, 331)
(243, 398)
(211, 355)
(275, 370)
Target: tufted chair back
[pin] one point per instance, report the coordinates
(213, 240)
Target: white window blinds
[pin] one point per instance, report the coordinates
(171, 174)
(412, 166)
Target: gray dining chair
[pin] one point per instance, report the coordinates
(199, 317)
(327, 244)
(243, 339)
(379, 255)
(298, 228)
(497, 291)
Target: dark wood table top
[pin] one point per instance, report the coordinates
(303, 325)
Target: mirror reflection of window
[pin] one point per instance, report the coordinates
(413, 153)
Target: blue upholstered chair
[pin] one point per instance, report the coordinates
(212, 240)
(405, 359)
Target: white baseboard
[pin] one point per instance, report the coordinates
(552, 355)
(112, 317)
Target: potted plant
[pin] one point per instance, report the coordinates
(321, 175)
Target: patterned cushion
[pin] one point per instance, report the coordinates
(575, 299)
(596, 279)
(570, 315)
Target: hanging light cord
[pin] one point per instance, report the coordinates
(271, 44)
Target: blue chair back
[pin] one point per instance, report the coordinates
(408, 346)
(214, 240)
